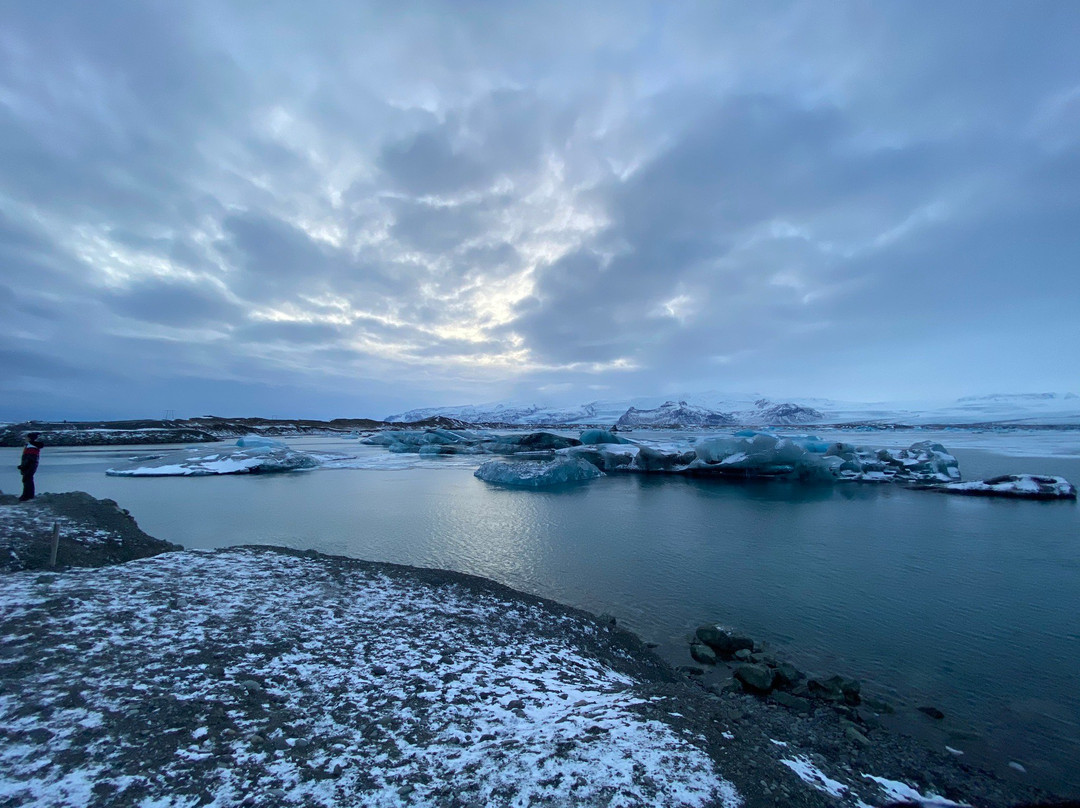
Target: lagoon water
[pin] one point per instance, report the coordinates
(971, 605)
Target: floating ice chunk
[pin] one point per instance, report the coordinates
(902, 792)
(258, 441)
(254, 460)
(759, 456)
(591, 437)
(536, 474)
(1017, 486)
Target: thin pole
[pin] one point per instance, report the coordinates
(55, 543)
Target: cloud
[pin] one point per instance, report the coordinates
(619, 197)
(174, 304)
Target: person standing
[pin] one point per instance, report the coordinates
(29, 463)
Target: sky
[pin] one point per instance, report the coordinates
(348, 209)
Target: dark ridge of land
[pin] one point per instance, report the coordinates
(203, 429)
(92, 533)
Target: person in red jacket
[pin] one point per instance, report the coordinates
(29, 463)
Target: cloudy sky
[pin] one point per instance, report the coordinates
(348, 209)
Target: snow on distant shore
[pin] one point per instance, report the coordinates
(248, 676)
(714, 407)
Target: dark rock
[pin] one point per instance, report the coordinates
(878, 706)
(723, 641)
(826, 690)
(744, 655)
(703, 654)
(933, 712)
(755, 678)
(379, 670)
(853, 734)
(851, 689)
(835, 689)
(787, 676)
(791, 702)
(691, 670)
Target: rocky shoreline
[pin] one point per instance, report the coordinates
(262, 676)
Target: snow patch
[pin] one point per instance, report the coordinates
(902, 792)
(811, 774)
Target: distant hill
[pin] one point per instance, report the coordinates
(1021, 409)
(671, 414)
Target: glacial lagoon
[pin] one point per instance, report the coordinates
(970, 605)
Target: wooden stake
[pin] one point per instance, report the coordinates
(55, 543)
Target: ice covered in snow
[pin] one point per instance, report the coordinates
(212, 677)
(538, 474)
(1015, 486)
(253, 460)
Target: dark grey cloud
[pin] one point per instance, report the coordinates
(175, 304)
(383, 207)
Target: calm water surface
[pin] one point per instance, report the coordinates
(967, 604)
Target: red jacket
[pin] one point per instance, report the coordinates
(29, 462)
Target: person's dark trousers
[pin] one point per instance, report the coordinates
(27, 487)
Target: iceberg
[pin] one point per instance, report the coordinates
(258, 441)
(591, 437)
(746, 454)
(538, 474)
(1015, 486)
(427, 441)
(254, 460)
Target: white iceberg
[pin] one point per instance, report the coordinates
(538, 474)
(254, 460)
(1016, 486)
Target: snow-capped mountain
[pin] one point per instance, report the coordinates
(497, 413)
(672, 414)
(714, 407)
(767, 413)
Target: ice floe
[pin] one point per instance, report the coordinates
(1016, 486)
(254, 459)
(538, 474)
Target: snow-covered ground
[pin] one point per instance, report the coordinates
(249, 672)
